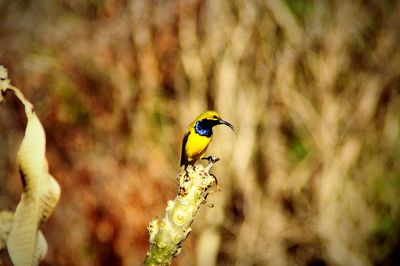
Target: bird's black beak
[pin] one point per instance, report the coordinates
(223, 122)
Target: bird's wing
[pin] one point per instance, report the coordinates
(184, 159)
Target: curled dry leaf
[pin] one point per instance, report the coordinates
(39, 198)
(6, 220)
(20, 231)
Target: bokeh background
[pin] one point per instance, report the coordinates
(312, 176)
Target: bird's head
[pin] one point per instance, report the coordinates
(211, 119)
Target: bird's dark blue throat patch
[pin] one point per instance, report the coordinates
(204, 128)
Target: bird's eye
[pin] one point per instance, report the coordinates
(215, 116)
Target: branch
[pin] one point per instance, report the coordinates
(166, 236)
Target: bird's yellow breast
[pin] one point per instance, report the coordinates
(196, 146)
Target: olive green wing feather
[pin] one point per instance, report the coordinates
(184, 159)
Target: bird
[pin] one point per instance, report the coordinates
(199, 135)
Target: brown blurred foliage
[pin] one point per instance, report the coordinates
(312, 176)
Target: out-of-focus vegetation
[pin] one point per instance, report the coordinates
(312, 176)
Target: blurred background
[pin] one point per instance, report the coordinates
(313, 87)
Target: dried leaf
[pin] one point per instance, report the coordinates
(38, 200)
(25, 243)
(6, 221)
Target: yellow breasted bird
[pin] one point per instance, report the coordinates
(199, 135)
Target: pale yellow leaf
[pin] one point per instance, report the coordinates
(40, 195)
(40, 248)
(20, 231)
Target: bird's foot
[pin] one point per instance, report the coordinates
(211, 159)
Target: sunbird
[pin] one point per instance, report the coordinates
(199, 135)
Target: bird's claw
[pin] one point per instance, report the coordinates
(211, 159)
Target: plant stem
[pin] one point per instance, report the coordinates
(166, 236)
